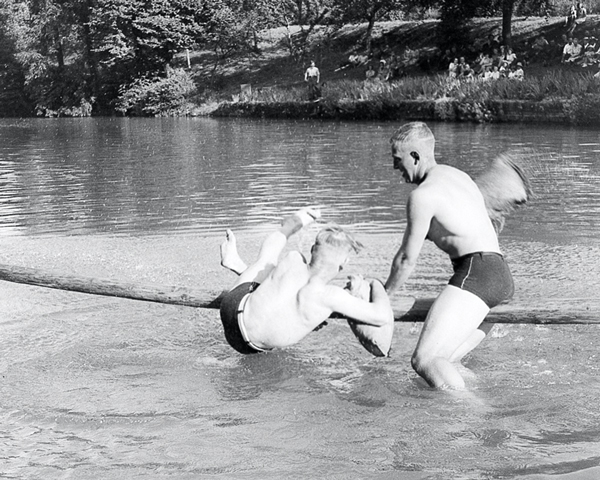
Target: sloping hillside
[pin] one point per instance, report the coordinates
(275, 66)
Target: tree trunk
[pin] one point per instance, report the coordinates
(60, 53)
(370, 25)
(507, 13)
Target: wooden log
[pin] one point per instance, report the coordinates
(406, 309)
(149, 293)
(551, 311)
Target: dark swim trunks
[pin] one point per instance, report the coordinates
(485, 274)
(232, 316)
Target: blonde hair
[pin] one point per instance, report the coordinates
(336, 236)
(413, 131)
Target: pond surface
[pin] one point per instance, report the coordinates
(96, 387)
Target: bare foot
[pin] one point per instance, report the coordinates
(308, 215)
(303, 217)
(229, 255)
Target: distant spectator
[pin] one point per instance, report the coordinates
(573, 51)
(486, 75)
(453, 68)
(496, 57)
(570, 20)
(589, 52)
(463, 67)
(491, 44)
(395, 68)
(495, 75)
(353, 62)
(370, 73)
(485, 61)
(540, 46)
(382, 71)
(581, 12)
(312, 76)
(508, 57)
(517, 73)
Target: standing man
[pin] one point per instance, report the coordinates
(447, 208)
(312, 77)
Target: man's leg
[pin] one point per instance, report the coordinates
(452, 320)
(230, 258)
(270, 250)
(474, 339)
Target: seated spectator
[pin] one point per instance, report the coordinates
(508, 57)
(467, 72)
(485, 61)
(353, 62)
(491, 45)
(486, 74)
(382, 71)
(495, 75)
(370, 73)
(580, 12)
(463, 67)
(570, 20)
(395, 68)
(357, 60)
(496, 58)
(589, 53)
(517, 73)
(573, 51)
(453, 68)
(540, 48)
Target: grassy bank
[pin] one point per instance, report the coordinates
(556, 97)
(550, 91)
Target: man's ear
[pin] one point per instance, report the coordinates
(415, 155)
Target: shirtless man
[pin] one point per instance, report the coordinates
(275, 303)
(312, 76)
(447, 208)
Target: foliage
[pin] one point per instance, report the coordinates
(13, 99)
(157, 96)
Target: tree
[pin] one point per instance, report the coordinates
(13, 100)
(527, 7)
(369, 11)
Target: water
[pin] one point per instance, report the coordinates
(97, 387)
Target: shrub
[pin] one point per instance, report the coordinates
(158, 96)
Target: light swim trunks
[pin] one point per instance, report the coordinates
(485, 274)
(232, 317)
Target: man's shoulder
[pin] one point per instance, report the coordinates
(444, 173)
(294, 256)
(441, 179)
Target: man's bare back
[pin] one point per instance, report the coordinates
(460, 223)
(277, 302)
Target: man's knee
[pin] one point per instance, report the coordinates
(421, 361)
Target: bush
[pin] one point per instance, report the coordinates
(158, 96)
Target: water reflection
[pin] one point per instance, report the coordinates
(163, 175)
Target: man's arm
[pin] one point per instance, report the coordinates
(375, 311)
(419, 212)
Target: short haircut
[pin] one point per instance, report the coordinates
(336, 236)
(412, 131)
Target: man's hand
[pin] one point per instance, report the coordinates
(359, 287)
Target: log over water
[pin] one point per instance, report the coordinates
(406, 309)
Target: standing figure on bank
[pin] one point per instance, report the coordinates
(448, 208)
(275, 302)
(312, 76)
